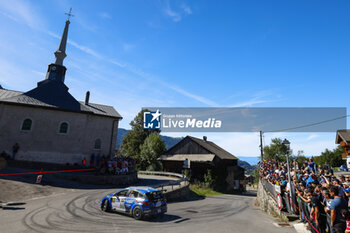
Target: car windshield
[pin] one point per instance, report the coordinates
(155, 195)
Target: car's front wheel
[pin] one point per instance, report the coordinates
(137, 213)
(105, 206)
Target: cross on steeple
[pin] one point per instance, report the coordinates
(57, 70)
(69, 13)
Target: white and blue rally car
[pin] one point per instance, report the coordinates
(136, 201)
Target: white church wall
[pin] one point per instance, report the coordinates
(44, 143)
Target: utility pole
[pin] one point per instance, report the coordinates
(261, 146)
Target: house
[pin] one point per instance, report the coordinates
(47, 124)
(202, 155)
(343, 139)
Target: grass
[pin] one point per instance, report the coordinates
(203, 191)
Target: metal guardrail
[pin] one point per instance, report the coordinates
(270, 188)
(299, 208)
(171, 183)
(162, 173)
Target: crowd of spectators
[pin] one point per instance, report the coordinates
(110, 166)
(325, 195)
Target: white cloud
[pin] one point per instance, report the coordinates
(139, 72)
(175, 16)
(39, 73)
(19, 10)
(186, 9)
(258, 98)
(105, 15)
(80, 47)
(127, 47)
(314, 148)
(192, 96)
(11, 77)
(312, 136)
(249, 103)
(117, 63)
(85, 49)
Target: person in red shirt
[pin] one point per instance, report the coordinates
(83, 162)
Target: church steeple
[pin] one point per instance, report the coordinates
(60, 54)
(57, 71)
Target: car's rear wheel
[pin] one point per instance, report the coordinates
(137, 213)
(105, 206)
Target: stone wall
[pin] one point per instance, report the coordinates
(181, 193)
(102, 179)
(268, 203)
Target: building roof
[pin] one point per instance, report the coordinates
(207, 145)
(54, 94)
(191, 157)
(213, 148)
(343, 135)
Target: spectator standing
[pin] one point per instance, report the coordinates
(338, 223)
(15, 149)
(98, 161)
(317, 211)
(103, 161)
(83, 162)
(327, 200)
(346, 216)
(110, 167)
(310, 179)
(92, 160)
(311, 166)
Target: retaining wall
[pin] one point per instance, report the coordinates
(178, 194)
(268, 203)
(102, 179)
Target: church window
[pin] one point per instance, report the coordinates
(98, 144)
(27, 125)
(63, 128)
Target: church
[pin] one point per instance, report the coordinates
(47, 124)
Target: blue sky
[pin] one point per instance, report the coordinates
(132, 54)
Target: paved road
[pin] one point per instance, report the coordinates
(79, 211)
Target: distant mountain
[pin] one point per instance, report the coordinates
(169, 141)
(121, 134)
(249, 168)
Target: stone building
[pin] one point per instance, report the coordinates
(47, 124)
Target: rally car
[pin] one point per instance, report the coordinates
(136, 201)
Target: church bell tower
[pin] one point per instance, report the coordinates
(57, 71)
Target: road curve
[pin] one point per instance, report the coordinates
(79, 211)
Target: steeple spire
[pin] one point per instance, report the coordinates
(60, 54)
(57, 70)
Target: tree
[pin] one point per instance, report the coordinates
(276, 150)
(300, 158)
(150, 150)
(136, 136)
(331, 157)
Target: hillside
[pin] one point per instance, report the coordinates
(249, 168)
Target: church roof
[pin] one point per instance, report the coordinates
(54, 94)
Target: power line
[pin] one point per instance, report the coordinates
(308, 125)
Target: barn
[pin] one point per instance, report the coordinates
(202, 155)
